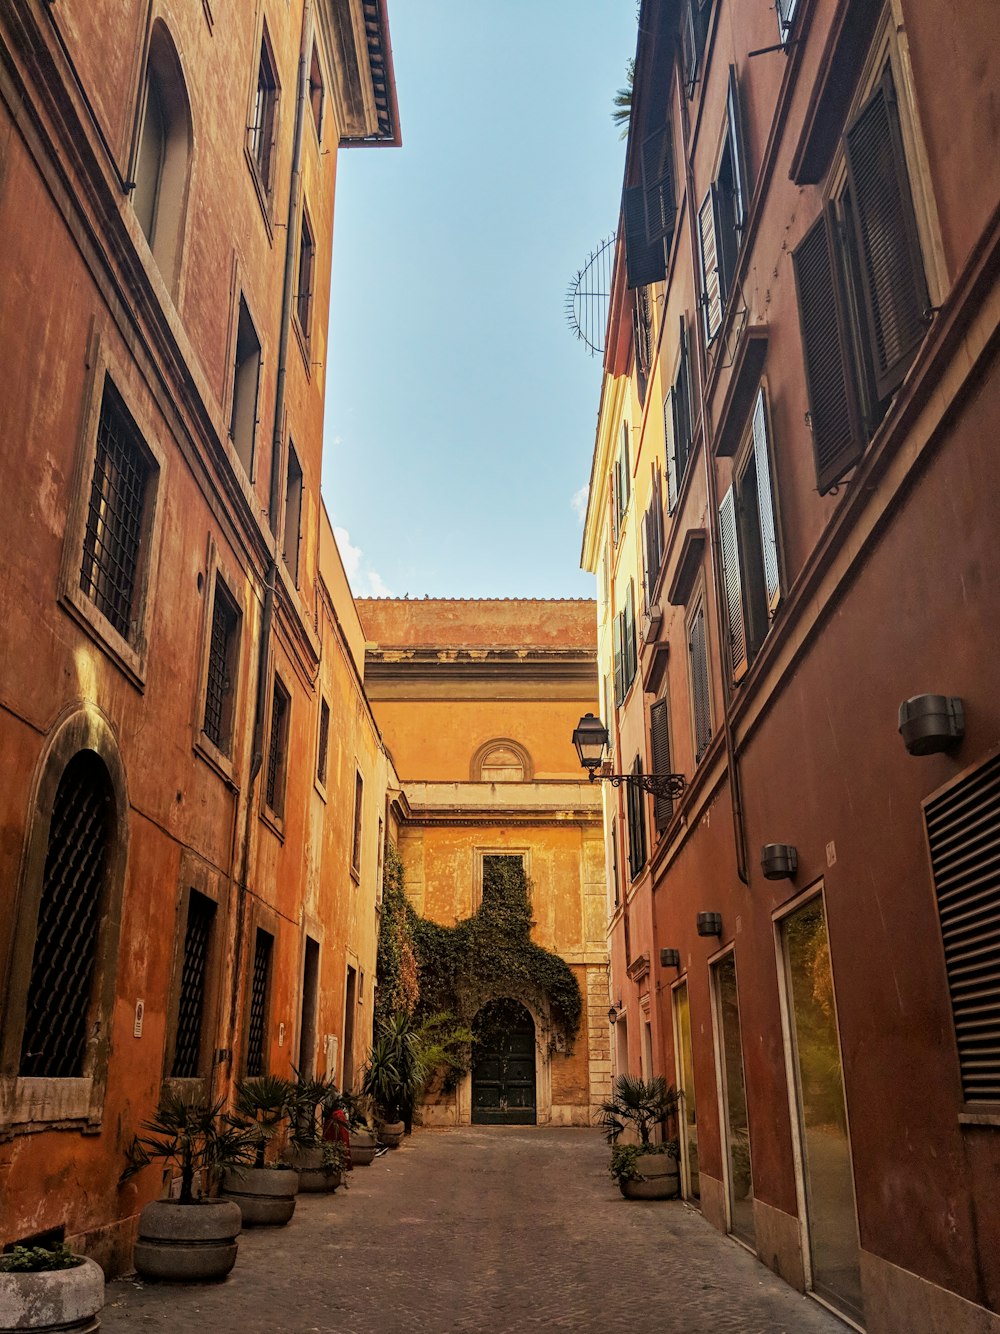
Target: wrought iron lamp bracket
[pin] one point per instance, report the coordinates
(668, 786)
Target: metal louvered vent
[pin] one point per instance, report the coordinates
(54, 1044)
(113, 539)
(258, 1003)
(197, 939)
(963, 829)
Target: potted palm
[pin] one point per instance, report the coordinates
(49, 1288)
(191, 1238)
(321, 1159)
(383, 1083)
(642, 1170)
(264, 1187)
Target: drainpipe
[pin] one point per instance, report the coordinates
(732, 760)
(271, 579)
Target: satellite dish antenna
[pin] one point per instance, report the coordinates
(587, 297)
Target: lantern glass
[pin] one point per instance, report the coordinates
(590, 737)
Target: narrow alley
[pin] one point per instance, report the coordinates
(481, 1228)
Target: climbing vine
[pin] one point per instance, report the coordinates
(459, 969)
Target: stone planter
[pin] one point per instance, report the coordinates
(313, 1176)
(56, 1299)
(266, 1195)
(661, 1178)
(362, 1148)
(187, 1243)
(390, 1133)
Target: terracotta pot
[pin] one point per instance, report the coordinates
(187, 1243)
(266, 1195)
(390, 1133)
(662, 1178)
(57, 1299)
(313, 1175)
(362, 1148)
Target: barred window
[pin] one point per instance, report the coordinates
(323, 755)
(359, 801)
(259, 989)
(194, 976)
(220, 685)
(264, 122)
(111, 569)
(275, 789)
(57, 1019)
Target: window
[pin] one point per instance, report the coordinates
(501, 765)
(274, 793)
(749, 546)
(659, 745)
(359, 801)
(260, 987)
(117, 521)
(164, 150)
(642, 338)
(862, 292)
(722, 217)
(293, 513)
(650, 208)
(307, 264)
(694, 33)
(678, 423)
(615, 878)
(961, 833)
(621, 484)
(264, 120)
(223, 662)
(635, 800)
(652, 538)
(786, 15)
(246, 387)
(500, 871)
(701, 702)
(625, 647)
(58, 1013)
(187, 1062)
(317, 93)
(323, 749)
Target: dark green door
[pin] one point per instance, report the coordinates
(503, 1066)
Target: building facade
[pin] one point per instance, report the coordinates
(477, 701)
(193, 782)
(793, 527)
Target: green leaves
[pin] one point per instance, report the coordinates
(638, 1103)
(193, 1135)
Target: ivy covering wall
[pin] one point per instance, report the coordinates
(432, 969)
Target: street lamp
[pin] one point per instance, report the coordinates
(590, 737)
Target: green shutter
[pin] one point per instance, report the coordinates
(645, 261)
(659, 745)
(659, 190)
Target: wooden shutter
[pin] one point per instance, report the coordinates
(710, 279)
(683, 416)
(657, 503)
(625, 485)
(636, 823)
(962, 831)
(836, 429)
(670, 446)
(659, 744)
(617, 637)
(659, 189)
(735, 620)
(700, 694)
(615, 506)
(649, 575)
(765, 504)
(885, 229)
(738, 153)
(645, 261)
(628, 640)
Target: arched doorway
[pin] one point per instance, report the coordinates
(503, 1065)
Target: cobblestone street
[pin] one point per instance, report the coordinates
(488, 1229)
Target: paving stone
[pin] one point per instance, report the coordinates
(497, 1229)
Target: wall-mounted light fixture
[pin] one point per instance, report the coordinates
(931, 723)
(590, 737)
(670, 958)
(709, 924)
(778, 861)
(612, 1015)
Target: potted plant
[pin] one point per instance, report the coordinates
(265, 1187)
(191, 1238)
(382, 1083)
(362, 1142)
(49, 1288)
(643, 1170)
(319, 1153)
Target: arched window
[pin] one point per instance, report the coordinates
(57, 1012)
(501, 761)
(164, 153)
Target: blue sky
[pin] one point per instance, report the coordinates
(460, 410)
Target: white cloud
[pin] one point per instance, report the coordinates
(579, 501)
(365, 582)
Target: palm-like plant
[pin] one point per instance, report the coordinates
(265, 1107)
(622, 113)
(639, 1103)
(194, 1135)
(382, 1080)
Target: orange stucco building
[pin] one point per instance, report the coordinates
(477, 701)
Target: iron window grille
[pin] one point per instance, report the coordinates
(112, 544)
(221, 669)
(260, 983)
(194, 974)
(275, 789)
(359, 798)
(324, 742)
(54, 1042)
